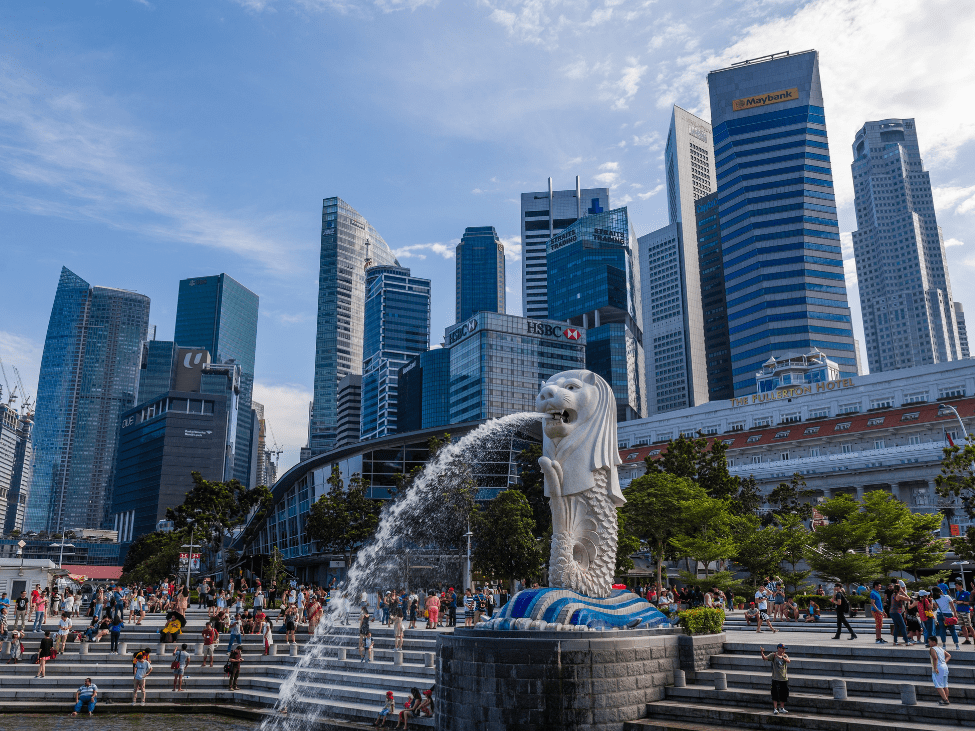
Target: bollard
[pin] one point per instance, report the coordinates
(84, 648)
(343, 654)
(161, 651)
(839, 689)
(397, 657)
(294, 650)
(196, 649)
(123, 648)
(680, 679)
(908, 694)
(720, 681)
(428, 659)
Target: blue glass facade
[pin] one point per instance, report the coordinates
(714, 301)
(780, 241)
(347, 241)
(423, 401)
(396, 327)
(219, 314)
(89, 376)
(480, 272)
(158, 371)
(594, 281)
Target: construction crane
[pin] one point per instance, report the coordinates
(25, 396)
(11, 392)
(276, 451)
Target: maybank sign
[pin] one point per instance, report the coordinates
(773, 97)
(793, 392)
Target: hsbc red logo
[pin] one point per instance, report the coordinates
(571, 333)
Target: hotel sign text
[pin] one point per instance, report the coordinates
(793, 392)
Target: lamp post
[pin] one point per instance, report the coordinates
(20, 549)
(189, 560)
(62, 546)
(961, 565)
(961, 423)
(467, 568)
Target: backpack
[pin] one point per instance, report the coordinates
(844, 604)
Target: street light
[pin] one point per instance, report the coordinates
(62, 544)
(20, 550)
(189, 559)
(467, 569)
(961, 565)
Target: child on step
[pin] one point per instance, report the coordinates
(388, 707)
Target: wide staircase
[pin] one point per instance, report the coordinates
(874, 678)
(338, 689)
(735, 622)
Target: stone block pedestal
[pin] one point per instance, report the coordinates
(533, 680)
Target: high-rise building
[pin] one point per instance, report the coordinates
(219, 315)
(16, 455)
(480, 272)
(714, 301)
(157, 372)
(349, 409)
(594, 283)
(543, 214)
(905, 293)
(164, 439)
(258, 443)
(89, 376)
(783, 267)
(348, 240)
(498, 362)
(962, 329)
(424, 391)
(396, 327)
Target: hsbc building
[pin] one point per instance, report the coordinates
(498, 362)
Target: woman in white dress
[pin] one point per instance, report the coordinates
(939, 669)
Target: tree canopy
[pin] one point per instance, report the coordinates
(504, 538)
(342, 520)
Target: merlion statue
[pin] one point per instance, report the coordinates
(579, 459)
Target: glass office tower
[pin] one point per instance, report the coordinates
(348, 240)
(480, 272)
(16, 455)
(714, 302)
(905, 292)
(219, 314)
(544, 214)
(396, 327)
(780, 240)
(594, 283)
(89, 376)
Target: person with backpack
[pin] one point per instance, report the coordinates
(233, 667)
(114, 632)
(842, 605)
(180, 659)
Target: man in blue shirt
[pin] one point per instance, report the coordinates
(4, 601)
(963, 605)
(877, 606)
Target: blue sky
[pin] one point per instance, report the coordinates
(142, 142)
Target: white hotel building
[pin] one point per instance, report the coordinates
(851, 435)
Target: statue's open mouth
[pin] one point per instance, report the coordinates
(566, 417)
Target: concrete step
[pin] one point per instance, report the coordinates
(678, 716)
(840, 651)
(821, 705)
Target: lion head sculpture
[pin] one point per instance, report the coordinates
(580, 430)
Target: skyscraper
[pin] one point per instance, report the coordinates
(673, 321)
(349, 409)
(905, 293)
(783, 267)
(962, 329)
(219, 314)
(347, 241)
(480, 272)
(544, 214)
(714, 301)
(594, 274)
(396, 327)
(423, 400)
(89, 376)
(16, 455)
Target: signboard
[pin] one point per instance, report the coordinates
(773, 97)
(793, 392)
(461, 332)
(336, 564)
(194, 565)
(955, 529)
(818, 519)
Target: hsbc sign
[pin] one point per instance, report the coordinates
(462, 332)
(547, 330)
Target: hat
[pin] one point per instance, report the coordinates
(780, 646)
(389, 694)
(428, 692)
(923, 593)
(901, 584)
(752, 604)
(959, 581)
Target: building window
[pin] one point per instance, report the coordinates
(731, 463)
(913, 416)
(710, 430)
(843, 426)
(785, 456)
(850, 409)
(847, 448)
(729, 442)
(916, 398)
(884, 403)
(876, 422)
(754, 438)
(791, 418)
(951, 392)
(879, 444)
(915, 439)
(811, 430)
(665, 437)
(654, 453)
(782, 434)
(763, 422)
(819, 414)
(757, 459)
(633, 455)
(814, 451)
(740, 426)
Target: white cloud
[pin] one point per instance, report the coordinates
(512, 247)
(623, 200)
(651, 193)
(73, 156)
(608, 179)
(286, 413)
(341, 6)
(954, 198)
(477, 191)
(651, 141)
(849, 264)
(626, 87)
(24, 354)
(417, 251)
(954, 242)
(610, 166)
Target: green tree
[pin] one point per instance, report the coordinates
(760, 549)
(704, 463)
(504, 539)
(531, 482)
(957, 478)
(626, 545)
(794, 540)
(654, 512)
(153, 556)
(343, 519)
(849, 530)
(709, 532)
(215, 510)
(924, 549)
(890, 522)
(274, 569)
(787, 499)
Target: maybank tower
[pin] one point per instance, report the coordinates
(780, 241)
